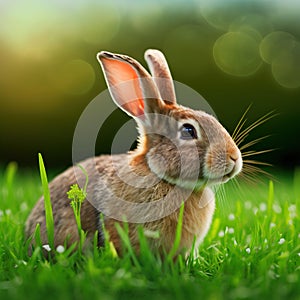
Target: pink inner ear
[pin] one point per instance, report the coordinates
(124, 85)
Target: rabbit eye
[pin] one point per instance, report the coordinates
(188, 132)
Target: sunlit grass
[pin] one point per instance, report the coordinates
(252, 251)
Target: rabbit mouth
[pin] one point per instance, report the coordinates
(236, 169)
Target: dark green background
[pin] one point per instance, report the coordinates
(42, 95)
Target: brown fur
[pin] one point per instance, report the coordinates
(195, 222)
(148, 185)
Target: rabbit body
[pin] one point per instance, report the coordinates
(196, 220)
(181, 154)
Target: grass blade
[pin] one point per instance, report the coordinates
(124, 235)
(10, 173)
(270, 197)
(47, 203)
(178, 234)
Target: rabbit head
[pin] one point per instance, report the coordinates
(182, 146)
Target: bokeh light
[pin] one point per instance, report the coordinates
(282, 51)
(237, 53)
(286, 67)
(276, 44)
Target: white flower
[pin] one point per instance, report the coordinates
(281, 241)
(47, 247)
(221, 233)
(272, 225)
(231, 217)
(231, 230)
(8, 212)
(60, 249)
(248, 250)
(277, 208)
(292, 208)
(263, 207)
(293, 211)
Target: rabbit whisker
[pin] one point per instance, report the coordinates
(256, 162)
(253, 152)
(243, 134)
(251, 172)
(249, 178)
(220, 191)
(249, 144)
(241, 123)
(256, 171)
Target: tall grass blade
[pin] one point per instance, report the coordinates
(270, 198)
(176, 244)
(10, 173)
(37, 236)
(124, 235)
(47, 203)
(86, 177)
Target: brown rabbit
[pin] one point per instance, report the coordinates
(181, 154)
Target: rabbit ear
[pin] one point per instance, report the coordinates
(161, 74)
(131, 86)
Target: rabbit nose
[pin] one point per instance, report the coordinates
(233, 156)
(235, 162)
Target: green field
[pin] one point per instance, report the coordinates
(252, 251)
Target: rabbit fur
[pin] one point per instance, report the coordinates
(182, 153)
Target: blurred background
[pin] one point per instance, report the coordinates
(233, 53)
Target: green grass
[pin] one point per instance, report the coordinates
(252, 251)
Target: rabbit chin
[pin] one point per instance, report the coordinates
(198, 184)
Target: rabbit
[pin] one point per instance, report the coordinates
(181, 155)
